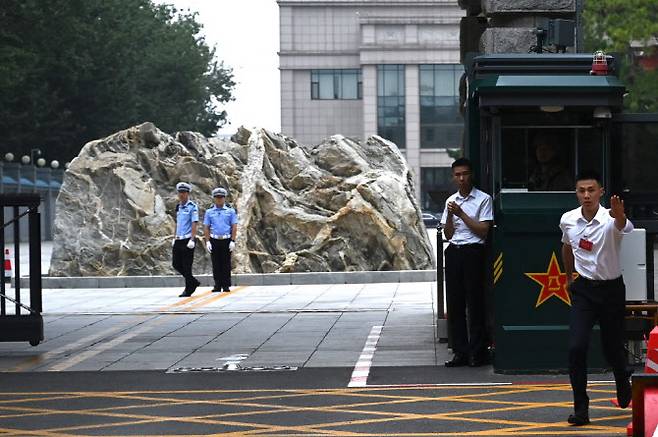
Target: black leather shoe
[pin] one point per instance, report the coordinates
(186, 293)
(226, 290)
(216, 289)
(624, 392)
(457, 361)
(578, 420)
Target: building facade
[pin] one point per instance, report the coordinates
(385, 67)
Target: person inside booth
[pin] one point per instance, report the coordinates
(549, 173)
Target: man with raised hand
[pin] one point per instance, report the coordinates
(591, 244)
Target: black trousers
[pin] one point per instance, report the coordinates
(182, 259)
(221, 263)
(465, 295)
(592, 301)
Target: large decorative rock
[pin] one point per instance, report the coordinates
(336, 206)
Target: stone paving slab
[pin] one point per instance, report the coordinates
(285, 325)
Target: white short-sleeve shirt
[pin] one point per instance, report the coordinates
(595, 244)
(476, 205)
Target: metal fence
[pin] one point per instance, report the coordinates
(20, 318)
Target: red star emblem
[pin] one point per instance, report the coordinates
(553, 283)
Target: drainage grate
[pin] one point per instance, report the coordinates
(232, 367)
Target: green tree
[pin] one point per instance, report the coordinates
(76, 70)
(612, 25)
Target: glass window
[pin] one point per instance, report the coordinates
(548, 159)
(441, 123)
(390, 103)
(342, 84)
(435, 187)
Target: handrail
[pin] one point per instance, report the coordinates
(18, 217)
(18, 303)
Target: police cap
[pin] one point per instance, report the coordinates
(219, 192)
(183, 187)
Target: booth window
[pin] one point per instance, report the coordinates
(548, 159)
(390, 103)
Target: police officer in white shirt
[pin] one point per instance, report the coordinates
(591, 237)
(220, 229)
(466, 220)
(187, 217)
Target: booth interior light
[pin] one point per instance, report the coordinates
(551, 108)
(602, 112)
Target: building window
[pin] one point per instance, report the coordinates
(435, 187)
(336, 84)
(441, 123)
(390, 103)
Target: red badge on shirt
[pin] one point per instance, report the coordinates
(585, 244)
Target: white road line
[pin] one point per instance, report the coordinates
(362, 368)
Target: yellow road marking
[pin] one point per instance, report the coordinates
(389, 397)
(216, 297)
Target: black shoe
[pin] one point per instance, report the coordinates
(624, 391)
(216, 289)
(226, 290)
(186, 293)
(457, 361)
(195, 285)
(578, 420)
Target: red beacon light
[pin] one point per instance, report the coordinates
(599, 64)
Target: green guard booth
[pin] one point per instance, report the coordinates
(516, 105)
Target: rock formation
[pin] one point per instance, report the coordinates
(336, 206)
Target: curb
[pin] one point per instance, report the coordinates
(369, 277)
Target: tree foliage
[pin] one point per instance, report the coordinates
(76, 70)
(612, 25)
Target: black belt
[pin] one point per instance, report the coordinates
(467, 246)
(598, 282)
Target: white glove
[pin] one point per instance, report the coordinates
(173, 242)
(231, 246)
(208, 247)
(191, 244)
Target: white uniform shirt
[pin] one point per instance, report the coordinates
(601, 262)
(476, 205)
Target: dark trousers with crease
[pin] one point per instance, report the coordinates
(592, 301)
(221, 263)
(465, 295)
(182, 259)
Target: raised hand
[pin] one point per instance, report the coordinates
(617, 207)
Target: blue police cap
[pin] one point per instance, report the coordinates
(219, 192)
(183, 187)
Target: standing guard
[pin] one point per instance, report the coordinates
(220, 229)
(187, 217)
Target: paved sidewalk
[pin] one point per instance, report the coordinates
(300, 326)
